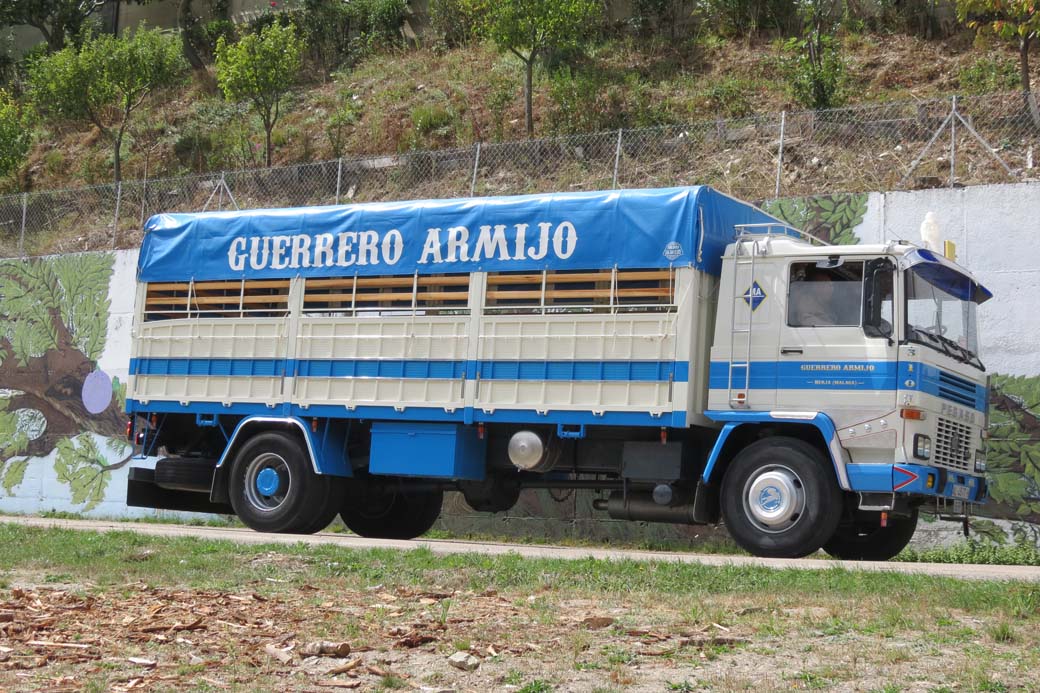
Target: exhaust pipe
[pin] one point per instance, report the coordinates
(646, 506)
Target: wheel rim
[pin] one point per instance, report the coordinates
(774, 499)
(267, 482)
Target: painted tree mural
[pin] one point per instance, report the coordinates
(831, 218)
(53, 328)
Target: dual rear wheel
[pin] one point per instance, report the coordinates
(274, 489)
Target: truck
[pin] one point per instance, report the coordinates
(681, 354)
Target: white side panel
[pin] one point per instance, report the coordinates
(434, 338)
(570, 337)
(210, 388)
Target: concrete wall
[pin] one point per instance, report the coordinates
(61, 444)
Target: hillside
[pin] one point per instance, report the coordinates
(431, 97)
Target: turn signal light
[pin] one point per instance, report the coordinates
(912, 414)
(930, 482)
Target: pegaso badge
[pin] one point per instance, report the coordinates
(673, 251)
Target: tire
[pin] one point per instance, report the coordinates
(328, 509)
(393, 513)
(869, 541)
(185, 473)
(780, 498)
(274, 489)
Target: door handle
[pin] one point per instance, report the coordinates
(790, 350)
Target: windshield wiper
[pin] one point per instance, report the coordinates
(967, 356)
(933, 339)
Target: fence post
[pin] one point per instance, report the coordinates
(780, 154)
(476, 167)
(339, 176)
(115, 221)
(953, 143)
(617, 159)
(144, 191)
(21, 235)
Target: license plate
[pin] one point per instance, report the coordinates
(961, 491)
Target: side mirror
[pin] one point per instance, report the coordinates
(879, 284)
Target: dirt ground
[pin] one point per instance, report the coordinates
(283, 634)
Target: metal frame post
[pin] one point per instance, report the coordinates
(21, 235)
(339, 176)
(780, 154)
(476, 167)
(953, 143)
(115, 221)
(617, 158)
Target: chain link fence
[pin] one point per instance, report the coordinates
(891, 146)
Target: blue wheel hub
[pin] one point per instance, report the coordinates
(267, 482)
(770, 498)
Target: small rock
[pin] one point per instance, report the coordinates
(597, 622)
(464, 661)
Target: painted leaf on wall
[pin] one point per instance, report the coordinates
(85, 305)
(831, 218)
(81, 465)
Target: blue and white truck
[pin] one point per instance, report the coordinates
(681, 353)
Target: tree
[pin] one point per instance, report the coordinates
(260, 69)
(530, 29)
(815, 67)
(14, 135)
(106, 80)
(57, 20)
(1012, 20)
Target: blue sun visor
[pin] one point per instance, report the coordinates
(945, 275)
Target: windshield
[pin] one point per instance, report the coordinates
(939, 319)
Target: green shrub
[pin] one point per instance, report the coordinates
(987, 75)
(749, 17)
(589, 101)
(815, 73)
(731, 97)
(459, 22)
(14, 135)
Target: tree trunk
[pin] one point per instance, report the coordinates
(267, 135)
(186, 22)
(117, 164)
(528, 80)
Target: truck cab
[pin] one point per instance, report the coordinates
(870, 355)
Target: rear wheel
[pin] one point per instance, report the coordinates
(869, 541)
(274, 489)
(780, 498)
(389, 512)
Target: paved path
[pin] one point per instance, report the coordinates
(446, 546)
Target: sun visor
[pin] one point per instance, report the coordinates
(945, 275)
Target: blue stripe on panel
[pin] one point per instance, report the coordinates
(808, 375)
(642, 371)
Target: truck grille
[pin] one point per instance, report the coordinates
(953, 445)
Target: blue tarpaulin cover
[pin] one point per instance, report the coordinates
(560, 231)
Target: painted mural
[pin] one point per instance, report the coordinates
(65, 339)
(56, 402)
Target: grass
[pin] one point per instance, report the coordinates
(115, 558)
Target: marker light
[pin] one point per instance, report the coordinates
(913, 414)
(922, 446)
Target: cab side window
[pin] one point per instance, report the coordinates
(825, 296)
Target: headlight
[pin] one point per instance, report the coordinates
(980, 462)
(922, 446)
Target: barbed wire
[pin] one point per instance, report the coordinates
(899, 145)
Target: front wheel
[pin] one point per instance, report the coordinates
(389, 512)
(869, 541)
(780, 498)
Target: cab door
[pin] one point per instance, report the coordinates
(837, 353)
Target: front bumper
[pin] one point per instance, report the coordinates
(914, 479)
